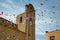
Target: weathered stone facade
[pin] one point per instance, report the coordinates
(53, 35)
(24, 29)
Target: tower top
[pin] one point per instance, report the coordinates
(29, 7)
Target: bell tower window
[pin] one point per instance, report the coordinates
(21, 19)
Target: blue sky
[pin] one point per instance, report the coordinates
(47, 14)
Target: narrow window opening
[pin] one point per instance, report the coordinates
(52, 37)
(21, 19)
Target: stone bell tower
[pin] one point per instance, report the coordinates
(26, 22)
(30, 22)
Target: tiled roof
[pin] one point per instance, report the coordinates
(5, 22)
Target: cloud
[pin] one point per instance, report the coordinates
(13, 5)
(37, 39)
(39, 31)
(9, 1)
(41, 26)
(6, 6)
(11, 8)
(40, 37)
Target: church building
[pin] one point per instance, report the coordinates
(24, 29)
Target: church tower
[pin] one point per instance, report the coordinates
(26, 22)
(30, 22)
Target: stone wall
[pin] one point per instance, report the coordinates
(7, 33)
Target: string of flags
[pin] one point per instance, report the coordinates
(41, 13)
(5, 14)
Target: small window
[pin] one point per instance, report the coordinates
(52, 37)
(12, 25)
(20, 19)
(16, 26)
(30, 7)
(2, 21)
